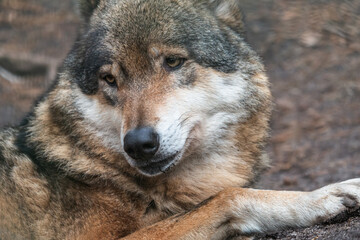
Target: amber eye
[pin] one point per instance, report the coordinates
(110, 79)
(173, 63)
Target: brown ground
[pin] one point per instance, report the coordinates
(311, 49)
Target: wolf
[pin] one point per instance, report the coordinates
(154, 129)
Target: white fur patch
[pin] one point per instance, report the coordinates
(103, 121)
(213, 106)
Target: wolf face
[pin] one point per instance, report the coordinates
(160, 81)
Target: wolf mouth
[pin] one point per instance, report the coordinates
(155, 168)
(165, 164)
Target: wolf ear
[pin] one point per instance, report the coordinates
(87, 8)
(229, 12)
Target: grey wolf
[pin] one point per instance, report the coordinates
(154, 129)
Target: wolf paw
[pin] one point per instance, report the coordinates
(338, 198)
(349, 191)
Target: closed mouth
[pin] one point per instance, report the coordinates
(165, 164)
(155, 168)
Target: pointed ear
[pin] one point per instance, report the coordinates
(229, 12)
(87, 8)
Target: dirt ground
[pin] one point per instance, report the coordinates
(311, 50)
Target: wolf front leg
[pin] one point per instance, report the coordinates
(245, 212)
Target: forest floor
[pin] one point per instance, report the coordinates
(311, 50)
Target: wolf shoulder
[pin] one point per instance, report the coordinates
(14, 192)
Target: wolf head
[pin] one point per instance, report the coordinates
(163, 81)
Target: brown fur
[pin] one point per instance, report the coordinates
(65, 175)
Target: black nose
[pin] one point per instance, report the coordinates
(141, 143)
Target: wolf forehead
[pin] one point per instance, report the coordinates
(119, 30)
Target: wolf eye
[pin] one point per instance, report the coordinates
(110, 79)
(173, 63)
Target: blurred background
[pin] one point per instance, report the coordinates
(311, 49)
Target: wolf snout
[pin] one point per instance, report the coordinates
(141, 143)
